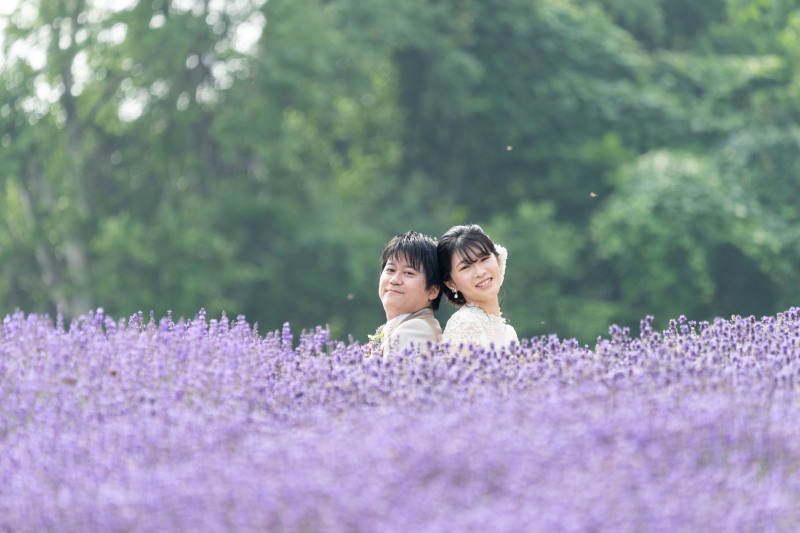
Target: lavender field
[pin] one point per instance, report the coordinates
(209, 425)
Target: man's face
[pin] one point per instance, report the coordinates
(402, 288)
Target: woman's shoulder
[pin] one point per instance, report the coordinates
(466, 327)
(467, 314)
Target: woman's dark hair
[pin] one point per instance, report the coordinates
(420, 250)
(470, 243)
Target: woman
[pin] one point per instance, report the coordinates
(472, 268)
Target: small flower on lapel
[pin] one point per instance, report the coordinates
(375, 342)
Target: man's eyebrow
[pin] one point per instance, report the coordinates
(407, 265)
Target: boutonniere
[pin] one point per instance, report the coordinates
(375, 342)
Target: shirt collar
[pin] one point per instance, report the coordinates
(396, 320)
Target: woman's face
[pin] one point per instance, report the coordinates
(478, 281)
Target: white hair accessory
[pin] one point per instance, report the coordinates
(502, 256)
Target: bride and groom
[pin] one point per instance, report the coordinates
(466, 266)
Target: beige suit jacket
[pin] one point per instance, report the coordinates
(419, 328)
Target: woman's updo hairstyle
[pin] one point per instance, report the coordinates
(470, 243)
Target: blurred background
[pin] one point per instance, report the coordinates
(636, 157)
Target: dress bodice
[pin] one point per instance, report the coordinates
(473, 325)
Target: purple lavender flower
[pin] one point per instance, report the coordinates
(205, 424)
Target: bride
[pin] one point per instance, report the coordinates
(472, 268)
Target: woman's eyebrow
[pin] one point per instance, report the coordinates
(467, 260)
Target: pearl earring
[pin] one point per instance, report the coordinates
(455, 294)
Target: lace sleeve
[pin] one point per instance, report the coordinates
(465, 328)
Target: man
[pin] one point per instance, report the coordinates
(409, 291)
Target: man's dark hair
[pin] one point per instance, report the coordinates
(420, 250)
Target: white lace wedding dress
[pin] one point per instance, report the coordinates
(472, 325)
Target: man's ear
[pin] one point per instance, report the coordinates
(433, 292)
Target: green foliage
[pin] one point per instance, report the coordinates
(500, 94)
(634, 157)
(658, 229)
(541, 273)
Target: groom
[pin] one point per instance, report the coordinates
(409, 292)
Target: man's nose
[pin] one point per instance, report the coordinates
(396, 278)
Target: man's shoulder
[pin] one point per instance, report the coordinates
(420, 321)
(418, 328)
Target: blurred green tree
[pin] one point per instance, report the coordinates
(115, 157)
(635, 157)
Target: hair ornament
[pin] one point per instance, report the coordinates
(502, 257)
